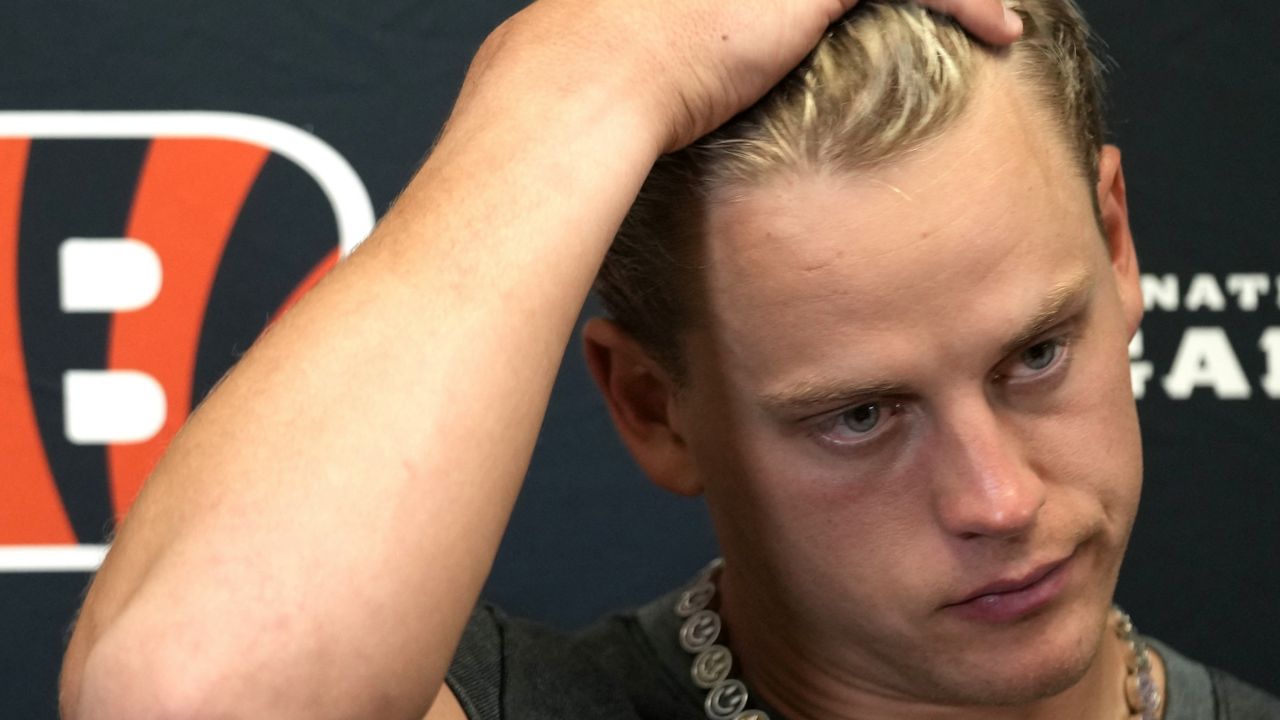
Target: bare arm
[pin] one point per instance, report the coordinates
(314, 540)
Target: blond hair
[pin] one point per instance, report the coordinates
(884, 80)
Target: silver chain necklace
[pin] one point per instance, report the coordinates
(728, 698)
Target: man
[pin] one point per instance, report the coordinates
(888, 343)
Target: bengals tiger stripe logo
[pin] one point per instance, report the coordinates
(140, 255)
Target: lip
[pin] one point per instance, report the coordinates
(1009, 599)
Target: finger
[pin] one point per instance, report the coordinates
(990, 20)
(837, 9)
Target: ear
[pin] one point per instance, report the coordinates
(1113, 206)
(642, 402)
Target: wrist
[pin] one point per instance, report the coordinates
(538, 76)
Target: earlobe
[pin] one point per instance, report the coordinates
(1113, 210)
(641, 398)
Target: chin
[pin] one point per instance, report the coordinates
(1019, 686)
(1044, 662)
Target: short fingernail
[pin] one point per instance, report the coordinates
(1012, 20)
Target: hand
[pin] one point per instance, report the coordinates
(695, 63)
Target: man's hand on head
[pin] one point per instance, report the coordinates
(690, 65)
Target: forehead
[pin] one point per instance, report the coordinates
(953, 245)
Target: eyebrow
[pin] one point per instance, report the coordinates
(1062, 301)
(809, 395)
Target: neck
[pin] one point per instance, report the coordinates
(805, 678)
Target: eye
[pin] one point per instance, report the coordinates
(1041, 355)
(1037, 359)
(861, 419)
(863, 423)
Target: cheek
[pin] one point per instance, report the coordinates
(826, 527)
(1092, 446)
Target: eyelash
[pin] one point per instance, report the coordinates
(891, 409)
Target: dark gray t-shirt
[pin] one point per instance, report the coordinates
(630, 667)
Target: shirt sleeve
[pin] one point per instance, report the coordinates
(475, 676)
(513, 669)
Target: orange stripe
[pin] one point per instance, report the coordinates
(31, 510)
(189, 196)
(312, 279)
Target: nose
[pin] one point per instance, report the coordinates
(984, 484)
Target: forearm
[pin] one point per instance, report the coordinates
(379, 431)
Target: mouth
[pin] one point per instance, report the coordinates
(1009, 599)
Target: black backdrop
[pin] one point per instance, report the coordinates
(1194, 101)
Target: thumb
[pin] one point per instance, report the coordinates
(990, 20)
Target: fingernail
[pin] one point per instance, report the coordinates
(1012, 20)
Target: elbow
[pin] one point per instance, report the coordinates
(131, 675)
(115, 680)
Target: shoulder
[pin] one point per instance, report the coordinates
(508, 668)
(1196, 691)
(1238, 700)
